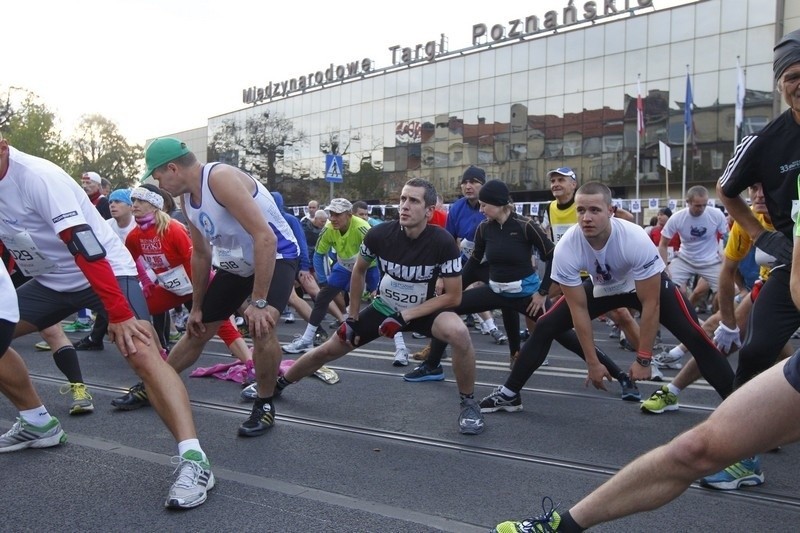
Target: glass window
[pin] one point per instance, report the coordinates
(471, 65)
(346, 92)
(415, 79)
(486, 92)
(555, 49)
(428, 104)
(613, 69)
(593, 73)
(682, 24)
(636, 33)
(378, 87)
(487, 60)
(706, 54)
(574, 40)
(555, 80)
(614, 37)
(658, 28)
(452, 99)
(734, 15)
(335, 98)
(593, 100)
(402, 81)
(519, 57)
(390, 87)
(761, 12)
(593, 42)
(537, 52)
(759, 78)
(573, 77)
(658, 63)
(442, 74)
(457, 67)
(519, 86)
(415, 105)
(377, 112)
(554, 105)
(636, 64)
(682, 55)
(759, 49)
(573, 103)
(356, 95)
(471, 94)
(402, 112)
(502, 61)
(536, 83)
(707, 19)
(502, 89)
(429, 76)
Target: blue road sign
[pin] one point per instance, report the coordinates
(333, 168)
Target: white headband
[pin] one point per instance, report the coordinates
(140, 193)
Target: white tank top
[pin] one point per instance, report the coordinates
(232, 245)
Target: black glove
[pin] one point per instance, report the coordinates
(777, 245)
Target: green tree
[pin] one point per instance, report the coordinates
(31, 128)
(257, 147)
(99, 146)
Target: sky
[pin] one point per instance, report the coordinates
(156, 67)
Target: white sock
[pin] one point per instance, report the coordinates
(508, 393)
(308, 334)
(677, 351)
(489, 324)
(399, 341)
(191, 444)
(673, 389)
(36, 417)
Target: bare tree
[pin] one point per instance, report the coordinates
(258, 146)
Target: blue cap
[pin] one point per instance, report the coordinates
(564, 171)
(121, 195)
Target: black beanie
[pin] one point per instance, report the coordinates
(494, 192)
(474, 173)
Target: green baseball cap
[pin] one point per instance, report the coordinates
(162, 151)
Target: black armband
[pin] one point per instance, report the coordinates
(85, 243)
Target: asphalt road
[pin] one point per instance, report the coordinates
(371, 453)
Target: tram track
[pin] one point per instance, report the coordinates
(760, 495)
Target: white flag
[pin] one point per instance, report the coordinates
(664, 155)
(739, 116)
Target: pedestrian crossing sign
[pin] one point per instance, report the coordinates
(333, 168)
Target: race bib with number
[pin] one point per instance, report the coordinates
(176, 281)
(617, 287)
(29, 259)
(402, 295)
(348, 262)
(231, 260)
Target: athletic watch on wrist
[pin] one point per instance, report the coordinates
(643, 361)
(259, 304)
(543, 292)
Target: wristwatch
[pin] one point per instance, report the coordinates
(543, 292)
(259, 304)
(642, 361)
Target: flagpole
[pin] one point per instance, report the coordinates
(736, 108)
(638, 138)
(686, 126)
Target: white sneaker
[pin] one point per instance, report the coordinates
(194, 481)
(498, 336)
(656, 374)
(667, 360)
(400, 357)
(298, 345)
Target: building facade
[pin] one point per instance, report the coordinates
(554, 90)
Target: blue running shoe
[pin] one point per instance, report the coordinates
(423, 373)
(745, 473)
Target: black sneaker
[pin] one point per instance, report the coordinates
(320, 336)
(87, 344)
(135, 398)
(423, 373)
(497, 401)
(262, 417)
(630, 392)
